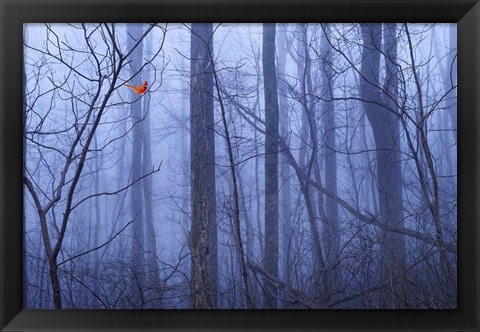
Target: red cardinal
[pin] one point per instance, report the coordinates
(139, 89)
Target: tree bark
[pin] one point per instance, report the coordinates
(137, 202)
(309, 145)
(285, 170)
(271, 162)
(331, 232)
(155, 298)
(450, 79)
(203, 231)
(385, 127)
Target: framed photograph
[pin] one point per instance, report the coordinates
(223, 165)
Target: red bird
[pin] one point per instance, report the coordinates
(139, 89)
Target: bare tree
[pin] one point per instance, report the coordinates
(356, 206)
(331, 224)
(385, 126)
(134, 31)
(285, 170)
(154, 281)
(88, 102)
(202, 237)
(271, 162)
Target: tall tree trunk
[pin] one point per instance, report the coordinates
(271, 162)
(331, 232)
(184, 151)
(245, 211)
(57, 294)
(203, 231)
(309, 145)
(152, 259)
(236, 200)
(301, 36)
(449, 81)
(50, 252)
(184, 165)
(96, 229)
(431, 170)
(285, 170)
(138, 259)
(258, 201)
(385, 127)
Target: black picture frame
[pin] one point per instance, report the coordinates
(14, 13)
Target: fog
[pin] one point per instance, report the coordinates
(289, 166)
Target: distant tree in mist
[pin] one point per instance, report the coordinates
(385, 125)
(271, 162)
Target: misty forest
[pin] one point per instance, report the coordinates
(240, 166)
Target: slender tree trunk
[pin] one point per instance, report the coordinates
(310, 139)
(236, 208)
(451, 78)
(52, 264)
(330, 225)
(51, 253)
(301, 35)
(137, 202)
(203, 231)
(271, 162)
(96, 230)
(57, 294)
(258, 205)
(152, 258)
(245, 211)
(385, 127)
(285, 170)
(449, 115)
(434, 204)
(184, 152)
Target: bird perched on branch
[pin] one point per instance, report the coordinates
(139, 89)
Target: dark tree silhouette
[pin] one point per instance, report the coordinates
(271, 162)
(202, 238)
